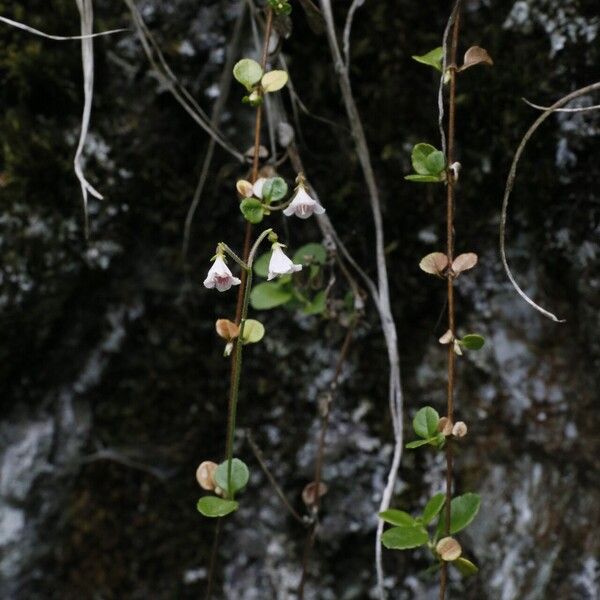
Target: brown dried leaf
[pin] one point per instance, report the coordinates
(476, 56)
(434, 263)
(457, 348)
(460, 429)
(447, 337)
(262, 152)
(244, 188)
(309, 493)
(227, 329)
(464, 262)
(205, 475)
(445, 426)
(448, 549)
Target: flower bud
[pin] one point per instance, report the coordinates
(460, 429)
(445, 426)
(448, 549)
(309, 493)
(205, 475)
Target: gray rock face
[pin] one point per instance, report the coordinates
(114, 387)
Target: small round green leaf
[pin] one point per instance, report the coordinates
(425, 178)
(253, 332)
(274, 81)
(426, 422)
(473, 341)
(419, 156)
(310, 254)
(435, 162)
(403, 538)
(239, 475)
(433, 507)
(252, 210)
(317, 305)
(274, 189)
(417, 444)
(433, 58)
(213, 506)
(463, 509)
(261, 264)
(269, 295)
(248, 72)
(397, 517)
(465, 567)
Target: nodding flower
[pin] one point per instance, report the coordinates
(302, 205)
(220, 276)
(280, 264)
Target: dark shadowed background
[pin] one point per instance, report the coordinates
(113, 382)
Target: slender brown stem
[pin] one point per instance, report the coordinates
(242, 293)
(213, 560)
(450, 282)
(255, 159)
(310, 537)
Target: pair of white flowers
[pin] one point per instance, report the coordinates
(302, 205)
(221, 278)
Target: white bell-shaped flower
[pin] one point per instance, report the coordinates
(280, 264)
(220, 276)
(302, 205)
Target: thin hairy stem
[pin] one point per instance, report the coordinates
(213, 559)
(450, 278)
(510, 182)
(235, 381)
(237, 355)
(333, 386)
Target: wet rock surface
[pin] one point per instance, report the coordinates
(113, 383)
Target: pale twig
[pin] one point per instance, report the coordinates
(215, 118)
(58, 38)
(510, 181)
(182, 96)
(326, 414)
(87, 50)
(86, 13)
(382, 293)
(263, 465)
(356, 4)
(574, 109)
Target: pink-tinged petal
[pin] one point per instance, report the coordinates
(303, 206)
(220, 276)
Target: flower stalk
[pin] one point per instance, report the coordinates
(237, 352)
